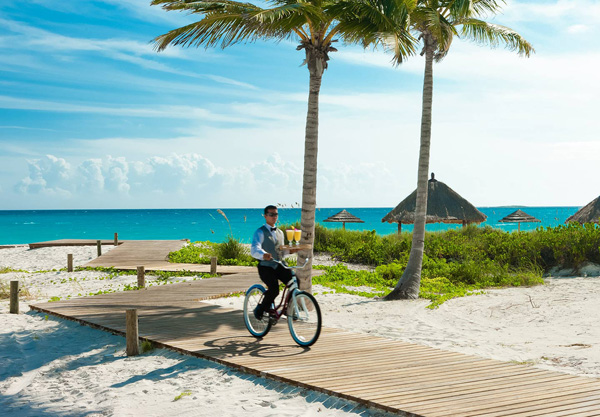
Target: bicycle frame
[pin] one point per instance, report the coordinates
(286, 295)
(284, 300)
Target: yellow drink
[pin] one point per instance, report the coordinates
(290, 235)
(297, 235)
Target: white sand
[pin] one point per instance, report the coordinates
(51, 366)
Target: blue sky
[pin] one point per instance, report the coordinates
(92, 117)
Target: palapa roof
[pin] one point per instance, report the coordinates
(588, 214)
(343, 216)
(519, 217)
(444, 205)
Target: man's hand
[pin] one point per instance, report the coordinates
(267, 257)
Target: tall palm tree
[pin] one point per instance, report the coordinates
(314, 24)
(437, 23)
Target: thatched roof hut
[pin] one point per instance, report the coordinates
(519, 217)
(588, 214)
(444, 205)
(343, 217)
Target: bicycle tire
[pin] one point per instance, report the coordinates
(304, 318)
(257, 328)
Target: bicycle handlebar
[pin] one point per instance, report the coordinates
(291, 267)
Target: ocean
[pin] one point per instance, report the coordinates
(28, 226)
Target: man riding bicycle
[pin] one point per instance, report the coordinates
(265, 247)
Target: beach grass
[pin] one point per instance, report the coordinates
(5, 290)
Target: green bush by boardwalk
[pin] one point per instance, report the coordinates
(456, 262)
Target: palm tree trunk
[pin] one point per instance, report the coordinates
(309, 184)
(408, 286)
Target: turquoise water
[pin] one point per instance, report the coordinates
(27, 226)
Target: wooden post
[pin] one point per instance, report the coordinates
(99, 246)
(131, 332)
(70, 262)
(213, 265)
(141, 276)
(14, 297)
(399, 227)
(116, 239)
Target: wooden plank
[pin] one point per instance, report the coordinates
(557, 405)
(69, 242)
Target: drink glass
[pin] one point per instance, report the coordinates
(297, 235)
(290, 235)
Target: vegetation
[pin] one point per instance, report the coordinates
(146, 346)
(538, 251)
(6, 270)
(183, 394)
(229, 252)
(5, 290)
(457, 262)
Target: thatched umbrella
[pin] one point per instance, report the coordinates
(444, 205)
(519, 217)
(344, 217)
(587, 214)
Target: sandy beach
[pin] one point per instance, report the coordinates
(52, 366)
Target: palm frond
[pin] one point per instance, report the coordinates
(230, 22)
(483, 7)
(493, 35)
(375, 22)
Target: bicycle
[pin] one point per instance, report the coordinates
(300, 307)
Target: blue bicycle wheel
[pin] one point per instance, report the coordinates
(257, 328)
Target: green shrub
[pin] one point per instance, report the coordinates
(567, 246)
(229, 252)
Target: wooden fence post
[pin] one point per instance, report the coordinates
(69, 262)
(213, 265)
(99, 246)
(116, 239)
(131, 332)
(14, 297)
(141, 276)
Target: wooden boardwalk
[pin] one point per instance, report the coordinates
(153, 256)
(70, 242)
(405, 378)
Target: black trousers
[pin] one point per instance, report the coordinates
(270, 277)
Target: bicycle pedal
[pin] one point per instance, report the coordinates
(273, 321)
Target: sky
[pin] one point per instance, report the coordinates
(92, 117)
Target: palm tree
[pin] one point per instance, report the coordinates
(314, 24)
(437, 22)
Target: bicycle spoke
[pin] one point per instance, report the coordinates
(304, 319)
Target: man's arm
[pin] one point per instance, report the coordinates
(256, 250)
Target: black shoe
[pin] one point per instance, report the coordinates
(258, 312)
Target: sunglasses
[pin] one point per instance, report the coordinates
(272, 214)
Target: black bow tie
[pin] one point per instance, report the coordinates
(273, 229)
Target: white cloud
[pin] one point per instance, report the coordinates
(190, 180)
(90, 175)
(116, 172)
(576, 29)
(556, 12)
(50, 176)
